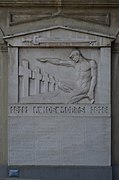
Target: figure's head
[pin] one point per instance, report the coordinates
(75, 55)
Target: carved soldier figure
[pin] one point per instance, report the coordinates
(85, 70)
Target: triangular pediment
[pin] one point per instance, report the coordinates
(59, 36)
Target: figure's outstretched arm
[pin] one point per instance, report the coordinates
(56, 61)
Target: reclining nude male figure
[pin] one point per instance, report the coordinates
(85, 71)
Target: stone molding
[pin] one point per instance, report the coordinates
(98, 18)
(58, 3)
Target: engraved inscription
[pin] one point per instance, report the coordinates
(98, 109)
(18, 109)
(58, 110)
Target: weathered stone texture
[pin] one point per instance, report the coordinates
(58, 3)
(3, 105)
(115, 103)
(21, 19)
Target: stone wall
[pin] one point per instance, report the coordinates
(115, 102)
(22, 16)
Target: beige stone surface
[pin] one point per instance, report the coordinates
(16, 24)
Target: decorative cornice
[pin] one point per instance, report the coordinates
(57, 3)
(59, 27)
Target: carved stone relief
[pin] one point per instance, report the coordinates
(48, 86)
(58, 65)
(59, 93)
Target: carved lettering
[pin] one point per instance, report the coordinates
(18, 109)
(99, 109)
(58, 110)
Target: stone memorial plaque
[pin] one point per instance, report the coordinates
(59, 98)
